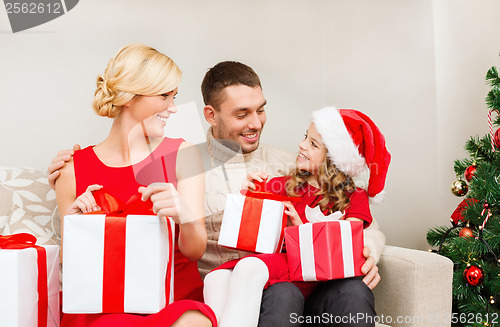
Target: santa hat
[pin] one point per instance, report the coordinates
(355, 145)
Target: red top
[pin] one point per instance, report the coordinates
(358, 200)
(123, 182)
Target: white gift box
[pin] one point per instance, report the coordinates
(148, 261)
(19, 287)
(247, 229)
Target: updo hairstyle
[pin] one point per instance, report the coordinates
(135, 70)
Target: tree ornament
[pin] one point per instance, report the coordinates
(459, 187)
(474, 275)
(470, 172)
(496, 138)
(466, 232)
(459, 212)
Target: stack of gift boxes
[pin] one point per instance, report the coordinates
(319, 251)
(106, 270)
(119, 260)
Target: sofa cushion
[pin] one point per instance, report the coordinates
(28, 205)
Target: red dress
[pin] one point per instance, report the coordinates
(277, 263)
(122, 183)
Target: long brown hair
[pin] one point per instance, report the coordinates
(334, 185)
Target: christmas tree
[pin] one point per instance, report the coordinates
(472, 241)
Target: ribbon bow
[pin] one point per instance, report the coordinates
(25, 241)
(110, 205)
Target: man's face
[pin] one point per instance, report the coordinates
(240, 117)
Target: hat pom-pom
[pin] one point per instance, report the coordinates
(377, 199)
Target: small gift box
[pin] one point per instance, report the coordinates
(29, 282)
(254, 221)
(325, 250)
(118, 262)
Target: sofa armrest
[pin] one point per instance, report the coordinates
(415, 289)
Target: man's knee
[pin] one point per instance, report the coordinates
(347, 302)
(341, 297)
(351, 291)
(280, 303)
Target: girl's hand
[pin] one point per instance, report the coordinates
(353, 219)
(85, 202)
(166, 200)
(260, 176)
(292, 213)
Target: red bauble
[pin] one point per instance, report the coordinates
(470, 172)
(466, 232)
(496, 138)
(474, 275)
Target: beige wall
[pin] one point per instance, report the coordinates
(415, 66)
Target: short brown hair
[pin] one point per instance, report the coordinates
(224, 74)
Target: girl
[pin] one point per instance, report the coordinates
(137, 90)
(340, 150)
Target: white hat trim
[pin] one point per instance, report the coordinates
(341, 148)
(378, 198)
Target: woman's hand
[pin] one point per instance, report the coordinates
(166, 201)
(85, 202)
(292, 213)
(260, 176)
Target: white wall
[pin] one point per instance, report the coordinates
(416, 67)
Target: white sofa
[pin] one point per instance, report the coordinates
(415, 289)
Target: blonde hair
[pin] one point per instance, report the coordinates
(135, 70)
(334, 186)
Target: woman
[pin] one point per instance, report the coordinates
(137, 90)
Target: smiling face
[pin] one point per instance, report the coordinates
(240, 117)
(153, 111)
(312, 151)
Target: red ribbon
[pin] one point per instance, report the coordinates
(251, 215)
(260, 193)
(26, 241)
(250, 222)
(114, 245)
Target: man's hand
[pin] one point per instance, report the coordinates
(370, 270)
(58, 162)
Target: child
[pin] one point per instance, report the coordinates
(340, 150)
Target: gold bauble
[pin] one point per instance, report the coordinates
(459, 187)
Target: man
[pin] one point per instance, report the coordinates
(235, 109)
